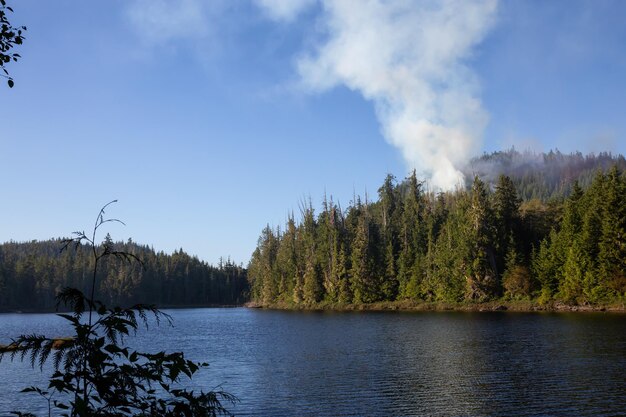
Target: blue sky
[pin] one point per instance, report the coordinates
(209, 119)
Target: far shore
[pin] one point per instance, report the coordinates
(160, 307)
(522, 306)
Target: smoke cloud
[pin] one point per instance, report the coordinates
(408, 58)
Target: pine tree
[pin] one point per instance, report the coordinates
(360, 268)
(447, 277)
(411, 268)
(573, 274)
(364, 280)
(262, 267)
(388, 201)
(590, 236)
(612, 246)
(481, 271)
(545, 268)
(566, 248)
(312, 289)
(516, 279)
(330, 235)
(506, 213)
(345, 291)
(287, 261)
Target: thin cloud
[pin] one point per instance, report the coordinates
(285, 10)
(158, 21)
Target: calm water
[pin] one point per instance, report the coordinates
(381, 364)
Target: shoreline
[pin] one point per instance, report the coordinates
(489, 306)
(519, 306)
(163, 307)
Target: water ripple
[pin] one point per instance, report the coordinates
(383, 364)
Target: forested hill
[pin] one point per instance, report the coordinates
(477, 244)
(541, 175)
(31, 273)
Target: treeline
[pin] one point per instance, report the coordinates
(477, 244)
(31, 274)
(542, 175)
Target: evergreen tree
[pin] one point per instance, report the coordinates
(312, 289)
(567, 248)
(330, 235)
(364, 282)
(516, 280)
(411, 261)
(506, 213)
(612, 246)
(447, 277)
(389, 201)
(287, 261)
(345, 291)
(481, 271)
(590, 235)
(546, 268)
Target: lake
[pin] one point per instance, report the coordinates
(289, 363)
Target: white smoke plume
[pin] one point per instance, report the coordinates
(409, 58)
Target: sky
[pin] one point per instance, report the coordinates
(209, 119)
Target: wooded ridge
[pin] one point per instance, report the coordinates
(563, 242)
(32, 273)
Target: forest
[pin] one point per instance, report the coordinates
(32, 273)
(543, 227)
(527, 226)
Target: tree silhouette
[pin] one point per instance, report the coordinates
(10, 36)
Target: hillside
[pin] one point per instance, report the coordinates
(541, 175)
(31, 273)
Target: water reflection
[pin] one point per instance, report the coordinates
(381, 364)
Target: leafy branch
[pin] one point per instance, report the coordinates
(9, 37)
(107, 248)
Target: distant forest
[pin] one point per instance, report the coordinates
(545, 227)
(31, 273)
(542, 176)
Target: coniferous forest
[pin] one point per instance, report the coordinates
(32, 273)
(552, 230)
(543, 227)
